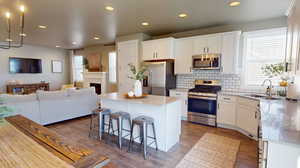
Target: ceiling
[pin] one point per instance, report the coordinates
(80, 21)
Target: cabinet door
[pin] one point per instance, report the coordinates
(164, 48)
(184, 97)
(226, 113)
(247, 119)
(200, 45)
(230, 52)
(183, 56)
(214, 44)
(148, 50)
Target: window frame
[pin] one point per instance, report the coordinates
(75, 68)
(259, 33)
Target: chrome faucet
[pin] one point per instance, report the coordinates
(269, 88)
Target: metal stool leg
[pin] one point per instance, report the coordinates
(120, 125)
(131, 138)
(154, 134)
(100, 121)
(91, 125)
(145, 133)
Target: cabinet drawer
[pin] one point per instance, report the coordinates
(174, 93)
(248, 102)
(227, 98)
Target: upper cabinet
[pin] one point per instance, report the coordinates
(208, 44)
(230, 52)
(183, 55)
(159, 49)
(293, 40)
(226, 44)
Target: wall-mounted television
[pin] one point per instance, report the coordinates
(25, 65)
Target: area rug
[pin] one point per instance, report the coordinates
(211, 151)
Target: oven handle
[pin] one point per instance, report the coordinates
(202, 97)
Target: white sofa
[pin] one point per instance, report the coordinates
(47, 107)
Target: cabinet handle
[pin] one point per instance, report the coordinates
(226, 98)
(203, 50)
(207, 50)
(256, 114)
(154, 55)
(218, 105)
(185, 102)
(190, 69)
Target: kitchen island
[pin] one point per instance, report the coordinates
(166, 112)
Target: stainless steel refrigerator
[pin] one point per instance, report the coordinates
(160, 78)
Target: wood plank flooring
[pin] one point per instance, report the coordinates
(78, 130)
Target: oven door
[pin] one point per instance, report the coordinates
(203, 105)
(202, 110)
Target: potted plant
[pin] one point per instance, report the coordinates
(138, 74)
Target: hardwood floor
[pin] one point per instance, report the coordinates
(78, 130)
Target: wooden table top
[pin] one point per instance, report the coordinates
(59, 151)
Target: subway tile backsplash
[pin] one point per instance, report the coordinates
(230, 82)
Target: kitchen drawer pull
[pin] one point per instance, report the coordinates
(226, 98)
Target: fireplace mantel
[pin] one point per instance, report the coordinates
(96, 77)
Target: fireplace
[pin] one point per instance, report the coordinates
(97, 87)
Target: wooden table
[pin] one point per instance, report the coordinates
(26, 144)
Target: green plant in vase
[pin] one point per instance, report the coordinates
(138, 74)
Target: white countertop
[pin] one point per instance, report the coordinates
(150, 99)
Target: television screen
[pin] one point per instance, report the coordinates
(25, 65)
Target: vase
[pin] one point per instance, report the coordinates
(138, 92)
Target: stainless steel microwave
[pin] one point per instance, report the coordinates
(207, 61)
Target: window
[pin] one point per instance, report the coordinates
(112, 61)
(261, 48)
(78, 68)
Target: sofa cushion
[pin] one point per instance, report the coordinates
(18, 98)
(81, 92)
(51, 95)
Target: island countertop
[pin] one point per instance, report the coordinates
(149, 99)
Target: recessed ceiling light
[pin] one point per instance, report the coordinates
(234, 3)
(145, 24)
(23, 34)
(8, 40)
(42, 27)
(96, 38)
(182, 15)
(57, 46)
(74, 43)
(109, 8)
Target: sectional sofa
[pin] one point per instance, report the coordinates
(47, 107)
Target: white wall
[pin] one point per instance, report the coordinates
(39, 52)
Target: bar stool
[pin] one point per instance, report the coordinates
(119, 116)
(143, 122)
(98, 114)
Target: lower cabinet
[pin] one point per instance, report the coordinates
(281, 156)
(226, 113)
(184, 97)
(238, 113)
(247, 116)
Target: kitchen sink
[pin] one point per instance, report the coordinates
(264, 97)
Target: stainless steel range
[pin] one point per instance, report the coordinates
(202, 102)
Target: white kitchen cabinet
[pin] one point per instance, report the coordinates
(127, 54)
(281, 155)
(247, 115)
(184, 97)
(208, 44)
(230, 52)
(159, 49)
(226, 113)
(183, 55)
